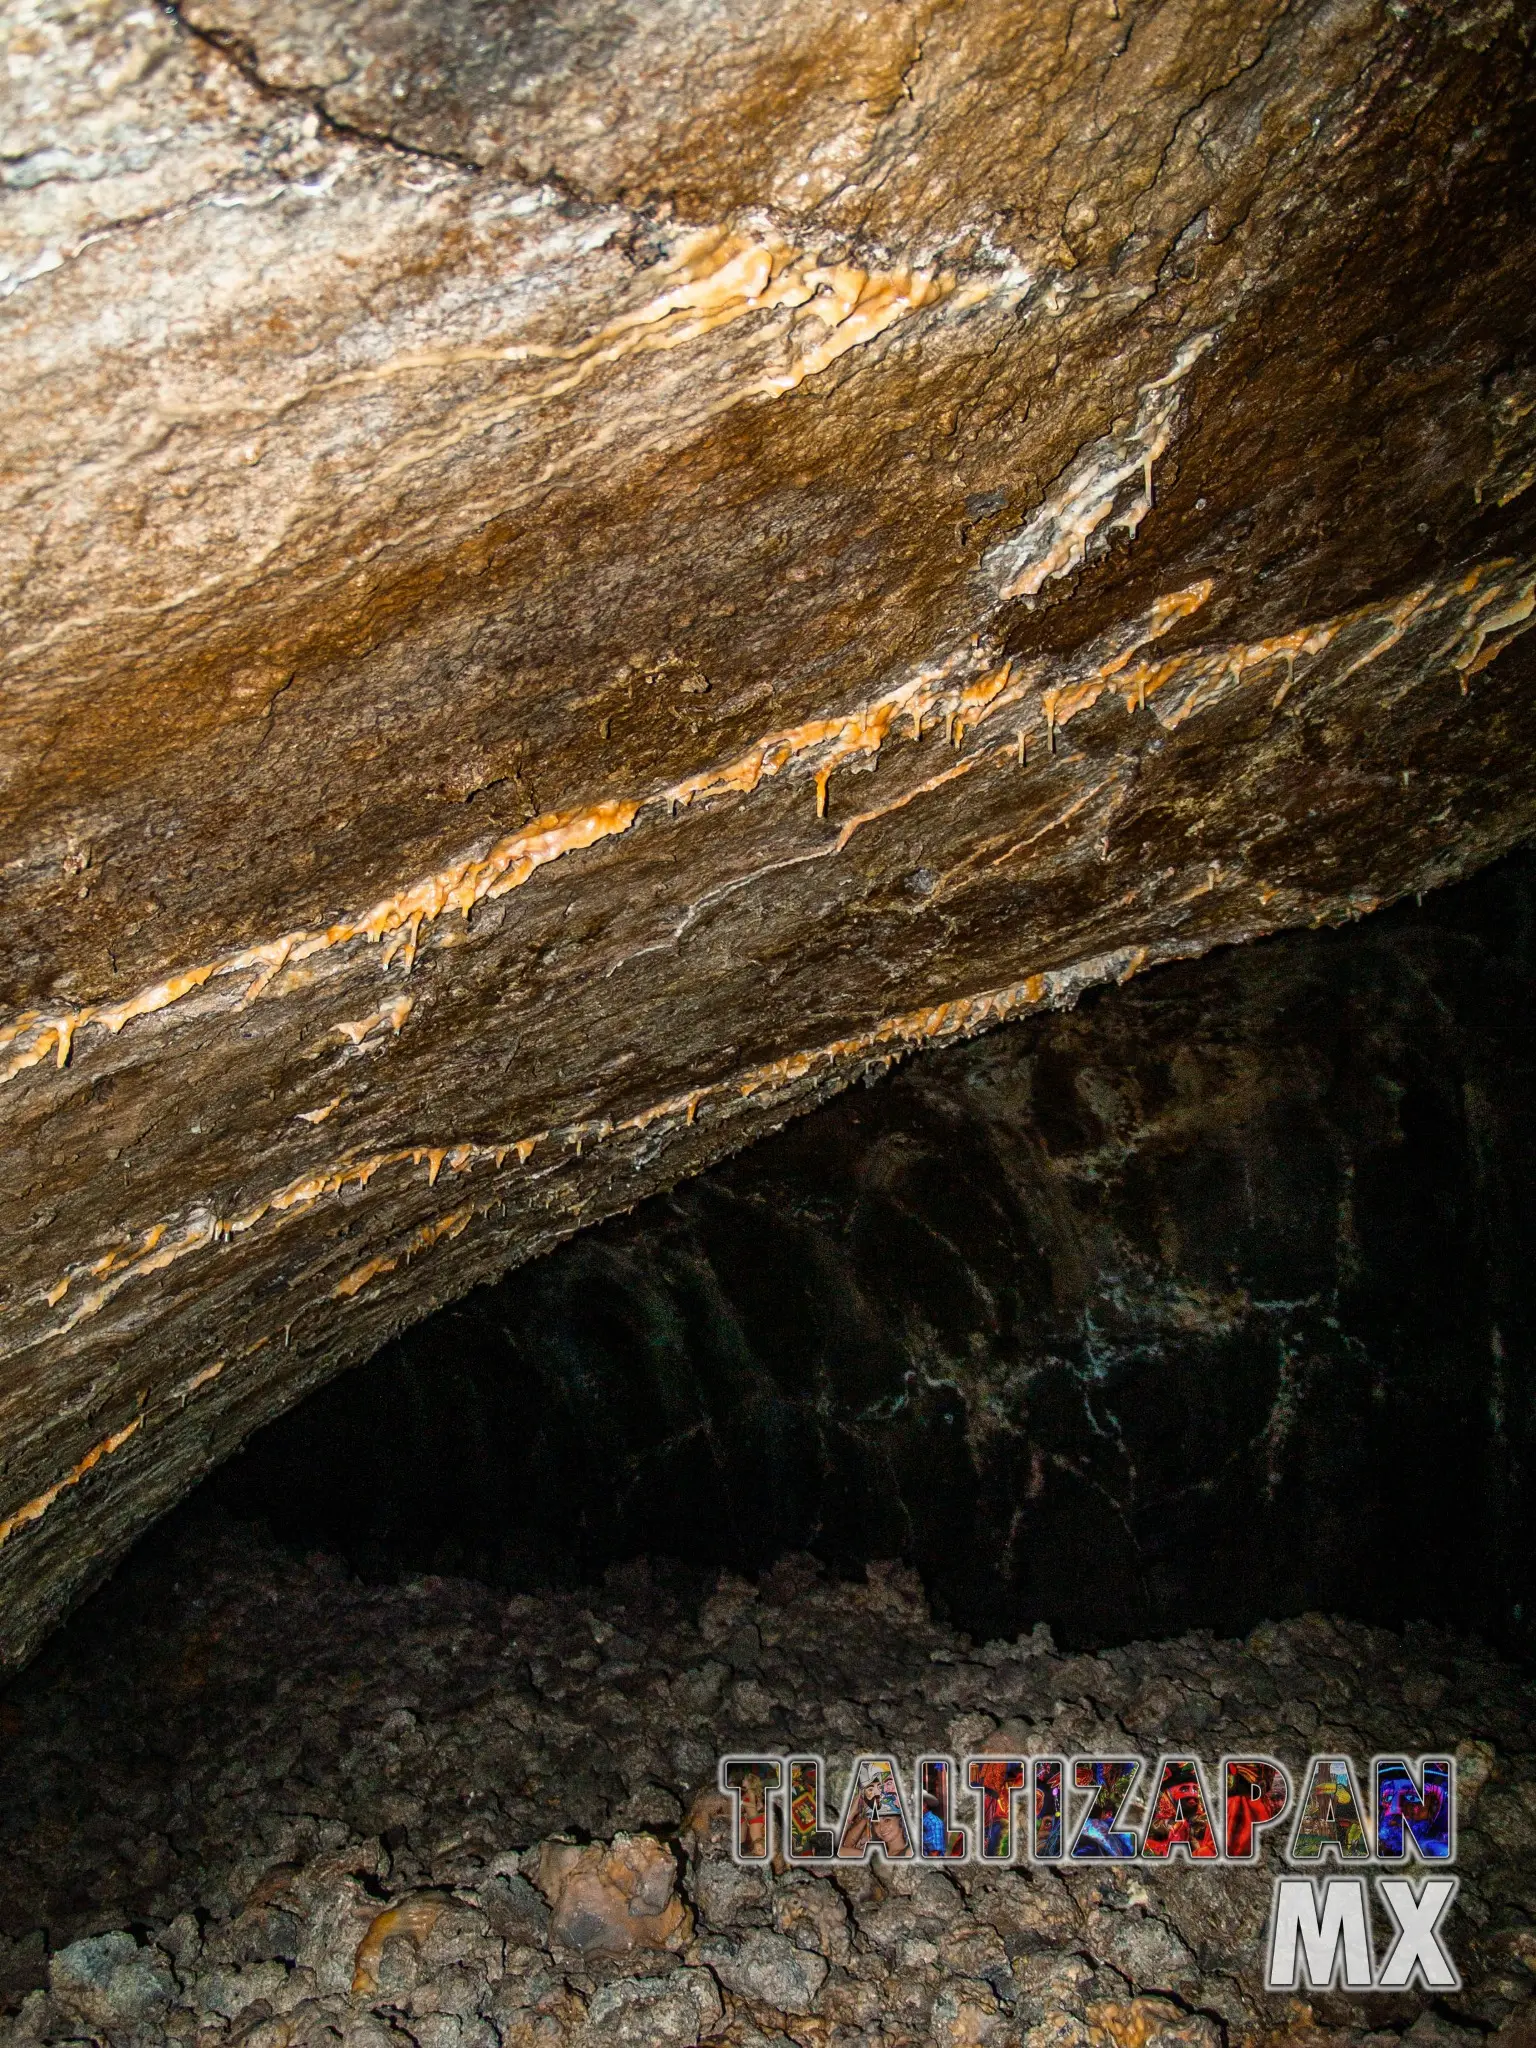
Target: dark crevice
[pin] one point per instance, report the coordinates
(1210, 1302)
(239, 52)
(1149, 1325)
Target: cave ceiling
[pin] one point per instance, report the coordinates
(579, 577)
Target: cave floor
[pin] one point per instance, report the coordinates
(235, 1760)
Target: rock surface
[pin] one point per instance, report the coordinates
(333, 1813)
(577, 578)
(1211, 1300)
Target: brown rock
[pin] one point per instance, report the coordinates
(707, 1824)
(578, 580)
(612, 1898)
(1149, 2023)
(412, 1920)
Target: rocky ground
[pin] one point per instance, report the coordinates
(247, 1797)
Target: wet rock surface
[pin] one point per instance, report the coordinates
(1213, 1299)
(252, 1800)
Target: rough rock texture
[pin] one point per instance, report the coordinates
(1212, 1300)
(327, 1813)
(481, 480)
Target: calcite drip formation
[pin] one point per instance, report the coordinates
(480, 488)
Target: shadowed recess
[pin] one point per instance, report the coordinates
(1209, 1301)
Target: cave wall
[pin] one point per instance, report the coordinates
(1210, 1303)
(577, 580)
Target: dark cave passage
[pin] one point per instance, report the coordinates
(987, 1405)
(1209, 1302)
(586, 572)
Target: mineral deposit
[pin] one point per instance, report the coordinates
(579, 576)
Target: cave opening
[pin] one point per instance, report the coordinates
(1206, 1303)
(768, 849)
(1153, 1372)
